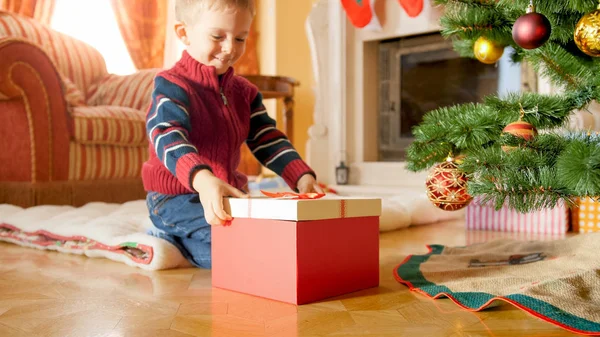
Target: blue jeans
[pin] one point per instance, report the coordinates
(179, 219)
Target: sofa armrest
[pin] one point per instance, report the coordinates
(36, 127)
(131, 91)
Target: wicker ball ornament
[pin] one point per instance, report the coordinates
(447, 187)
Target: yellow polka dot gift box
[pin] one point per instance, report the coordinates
(585, 216)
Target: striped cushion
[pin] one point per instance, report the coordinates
(110, 125)
(76, 60)
(133, 91)
(73, 96)
(90, 162)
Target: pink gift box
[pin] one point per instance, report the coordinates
(297, 251)
(546, 221)
(474, 237)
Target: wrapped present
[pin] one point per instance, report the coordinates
(474, 237)
(585, 216)
(547, 221)
(297, 250)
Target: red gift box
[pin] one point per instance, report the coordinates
(546, 221)
(297, 251)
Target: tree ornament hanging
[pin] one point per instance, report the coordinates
(531, 30)
(587, 33)
(487, 51)
(447, 186)
(520, 129)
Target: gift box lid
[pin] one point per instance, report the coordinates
(334, 207)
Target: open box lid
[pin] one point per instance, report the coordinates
(303, 209)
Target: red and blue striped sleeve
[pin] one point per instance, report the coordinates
(168, 128)
(272, 148)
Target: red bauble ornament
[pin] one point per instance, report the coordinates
(531, 30)
(447, 187)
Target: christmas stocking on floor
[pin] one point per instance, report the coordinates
(360, 13)
(412, 7)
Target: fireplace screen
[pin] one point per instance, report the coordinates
(419, 74)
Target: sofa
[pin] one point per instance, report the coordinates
(70, 132)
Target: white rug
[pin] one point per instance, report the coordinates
(113, 231)
(118, 231)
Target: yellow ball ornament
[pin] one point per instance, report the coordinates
(587, 33)
(487, 51)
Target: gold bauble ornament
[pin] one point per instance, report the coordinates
(587, 33)
(487, 51)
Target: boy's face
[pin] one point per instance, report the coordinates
(216, 38)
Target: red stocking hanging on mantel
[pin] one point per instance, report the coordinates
(361, 13)
(412, 7)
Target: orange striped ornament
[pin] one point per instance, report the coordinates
(519, 129)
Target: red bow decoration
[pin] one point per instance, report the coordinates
(293, 196)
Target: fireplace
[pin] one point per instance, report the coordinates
(418, 74)
(371, 87)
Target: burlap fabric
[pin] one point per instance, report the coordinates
(558, 281)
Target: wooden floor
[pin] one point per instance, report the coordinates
(53, 294)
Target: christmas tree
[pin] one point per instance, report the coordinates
(515, 149)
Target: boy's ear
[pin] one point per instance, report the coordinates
(181, 32)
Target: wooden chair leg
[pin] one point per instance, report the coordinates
(288, 118)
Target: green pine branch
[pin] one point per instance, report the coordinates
(556, 166)
(579, 166)
(550, 168)
(486, 20)
(566, 66)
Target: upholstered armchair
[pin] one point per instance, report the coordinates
(70, 132)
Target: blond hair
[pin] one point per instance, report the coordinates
(187, 10)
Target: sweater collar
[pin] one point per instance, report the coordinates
(202, 74)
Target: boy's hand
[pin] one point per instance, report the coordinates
(308, 184)
(212, 190)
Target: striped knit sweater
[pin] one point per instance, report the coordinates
(199, 120)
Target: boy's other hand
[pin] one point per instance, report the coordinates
(212, 190)
(308, 184)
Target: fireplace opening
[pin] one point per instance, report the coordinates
(422, 73)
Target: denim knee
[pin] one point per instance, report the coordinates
(179, 215)
(179, 219)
